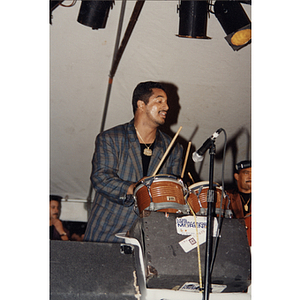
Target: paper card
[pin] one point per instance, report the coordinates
(194, 287)
(186, 226)
(190, 243)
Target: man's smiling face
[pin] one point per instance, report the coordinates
(157, 107)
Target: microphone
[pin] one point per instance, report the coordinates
(198, 155)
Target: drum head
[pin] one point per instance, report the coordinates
(147, 181)
(201, 184)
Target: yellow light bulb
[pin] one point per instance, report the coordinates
(241, 37)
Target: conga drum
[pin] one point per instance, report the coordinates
(198, 198)
(165, 193)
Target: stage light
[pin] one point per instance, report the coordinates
(94, 13)
(235, 23)
(193, 19)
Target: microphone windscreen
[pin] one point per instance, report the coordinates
(196, 157)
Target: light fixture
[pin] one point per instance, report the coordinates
(235, 23)
(193, 19)
(94, 13)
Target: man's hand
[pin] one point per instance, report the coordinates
(60, 229)
(130, 189)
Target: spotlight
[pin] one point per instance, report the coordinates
(193, 19)
(94, 13)
(235, 23)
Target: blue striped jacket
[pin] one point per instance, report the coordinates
(117, 163)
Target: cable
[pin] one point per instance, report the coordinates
(198, 249)
(70, 5)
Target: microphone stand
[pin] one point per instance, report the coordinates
(209, 222)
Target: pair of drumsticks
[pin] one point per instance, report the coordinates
(167, 151)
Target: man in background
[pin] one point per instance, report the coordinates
(57, 231)
(240, 197)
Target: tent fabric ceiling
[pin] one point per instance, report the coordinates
(210, 88)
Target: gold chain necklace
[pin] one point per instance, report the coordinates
(246, 204)
(147, 150)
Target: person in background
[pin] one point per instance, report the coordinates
(57, 231)
(240, 197)
(125, 154)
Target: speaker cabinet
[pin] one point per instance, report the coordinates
(84, 270)
(168, 265)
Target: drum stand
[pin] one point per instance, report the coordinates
(209, 223)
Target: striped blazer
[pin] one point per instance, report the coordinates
(117, 163)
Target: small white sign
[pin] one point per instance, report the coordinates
(186, 226)
(190, 287)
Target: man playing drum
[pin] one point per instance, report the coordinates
(123, 155)
(240, 198)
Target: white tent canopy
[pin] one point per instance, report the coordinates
(210, 88)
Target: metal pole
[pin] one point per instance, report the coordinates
(209, 223)
(133, 19)
(112, 64)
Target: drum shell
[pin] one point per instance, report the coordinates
(203, 187)
(163, 189)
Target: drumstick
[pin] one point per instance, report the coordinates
(191, 177)
(167, 151)
(185, 160)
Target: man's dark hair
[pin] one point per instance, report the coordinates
(55, 198)
(143, 91)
